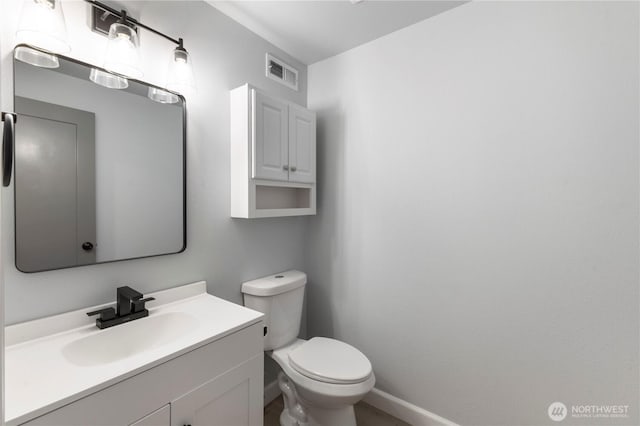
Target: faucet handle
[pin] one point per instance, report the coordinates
(105, 314)
(138, 305)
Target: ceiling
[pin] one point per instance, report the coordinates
(313, 30)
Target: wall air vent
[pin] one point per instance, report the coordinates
(282, 72)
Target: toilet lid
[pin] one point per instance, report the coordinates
(330, 361)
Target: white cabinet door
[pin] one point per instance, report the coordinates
(270, 138)
(160, 417)
(232, 399)
(302, 145)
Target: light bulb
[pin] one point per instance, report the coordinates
(42, 25)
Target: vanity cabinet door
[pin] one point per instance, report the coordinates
(160, 417)
(231, 399)
(302, 145)
(270, 138)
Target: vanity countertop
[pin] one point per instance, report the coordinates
(53, 361)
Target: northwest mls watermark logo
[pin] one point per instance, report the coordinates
(557, 411)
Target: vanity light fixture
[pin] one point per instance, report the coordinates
(122, 56)
(180, 72)
(42, 25)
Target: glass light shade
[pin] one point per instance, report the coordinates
(107, 79)
(42, 25)
(36, 57)
(162, 96)
(180, 73)
(122, 55)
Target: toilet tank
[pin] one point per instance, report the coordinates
(279, 297)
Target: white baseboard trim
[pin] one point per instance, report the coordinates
(271, 392)
(404, 410)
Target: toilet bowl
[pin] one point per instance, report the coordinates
(326, 386)
(321, 378)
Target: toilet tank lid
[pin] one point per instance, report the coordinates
(275, 284)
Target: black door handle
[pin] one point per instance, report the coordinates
(7, 146)
(87, 246)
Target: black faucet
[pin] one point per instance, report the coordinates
(129, 306)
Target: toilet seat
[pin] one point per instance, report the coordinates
(330, 361)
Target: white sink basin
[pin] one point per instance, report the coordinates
(128, 339)
(51, 362)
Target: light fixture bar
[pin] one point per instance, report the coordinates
(122, 58)
(130, 20)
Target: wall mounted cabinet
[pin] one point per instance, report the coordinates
(273, 156)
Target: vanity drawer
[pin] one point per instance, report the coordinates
(131, 399)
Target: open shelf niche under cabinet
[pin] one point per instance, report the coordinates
(273, 156)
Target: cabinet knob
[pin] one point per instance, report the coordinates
(294, 168)
(285, 167)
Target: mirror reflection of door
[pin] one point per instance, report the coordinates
(55, 186)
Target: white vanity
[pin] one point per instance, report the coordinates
(195, 360)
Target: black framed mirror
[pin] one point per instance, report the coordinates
(100, 165)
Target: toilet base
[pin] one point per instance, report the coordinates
(319, 416)
(344, 416)
(287, 419)
(298, 412)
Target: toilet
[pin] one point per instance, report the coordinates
(321, 378)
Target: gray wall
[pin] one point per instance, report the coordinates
(221, 250)
(477, 228)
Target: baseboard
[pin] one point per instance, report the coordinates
(404, 410)
(271, 392)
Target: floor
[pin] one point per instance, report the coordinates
(366, 415)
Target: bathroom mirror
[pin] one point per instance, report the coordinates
(99, 165)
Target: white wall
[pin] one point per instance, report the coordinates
(220, 250)
(138, 171)
(477, 228)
